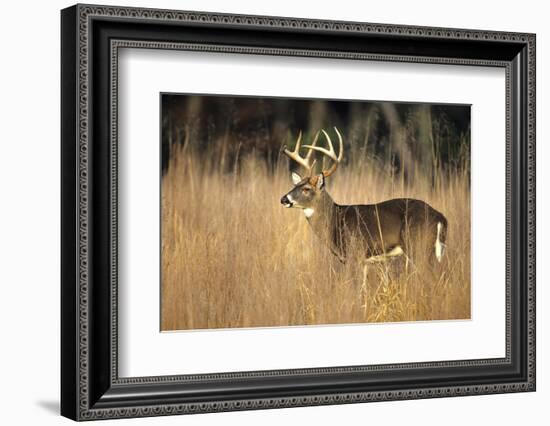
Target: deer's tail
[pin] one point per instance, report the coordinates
(441, 238)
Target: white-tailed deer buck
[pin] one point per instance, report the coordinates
(383, 230)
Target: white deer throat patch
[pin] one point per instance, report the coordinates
(309, 212)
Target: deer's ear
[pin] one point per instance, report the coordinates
(320, 184)
(296, 178)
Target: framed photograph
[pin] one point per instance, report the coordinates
(263, 212)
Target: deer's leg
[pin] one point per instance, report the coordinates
(395, 251)
(411, 243)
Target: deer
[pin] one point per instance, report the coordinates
(384, 230)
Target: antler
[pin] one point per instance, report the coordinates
(303, 161)
(329, 152)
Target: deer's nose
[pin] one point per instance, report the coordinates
(284, 200)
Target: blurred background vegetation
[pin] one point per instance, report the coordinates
(405, 139)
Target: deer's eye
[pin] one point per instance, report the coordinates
(306, 190)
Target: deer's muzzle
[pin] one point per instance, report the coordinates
(285, 201)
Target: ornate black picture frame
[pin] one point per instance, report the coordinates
(91, 387)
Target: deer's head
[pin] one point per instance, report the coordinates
(308, 189)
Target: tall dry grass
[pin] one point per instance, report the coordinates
(232, 256)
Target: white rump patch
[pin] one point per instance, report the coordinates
(439, 246)
(309, 212)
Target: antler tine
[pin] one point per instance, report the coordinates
(310, 152)
(298, 142)
(330, 152)
(295, 155)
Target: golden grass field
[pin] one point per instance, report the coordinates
(232, 256)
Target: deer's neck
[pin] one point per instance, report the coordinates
(322, 217)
